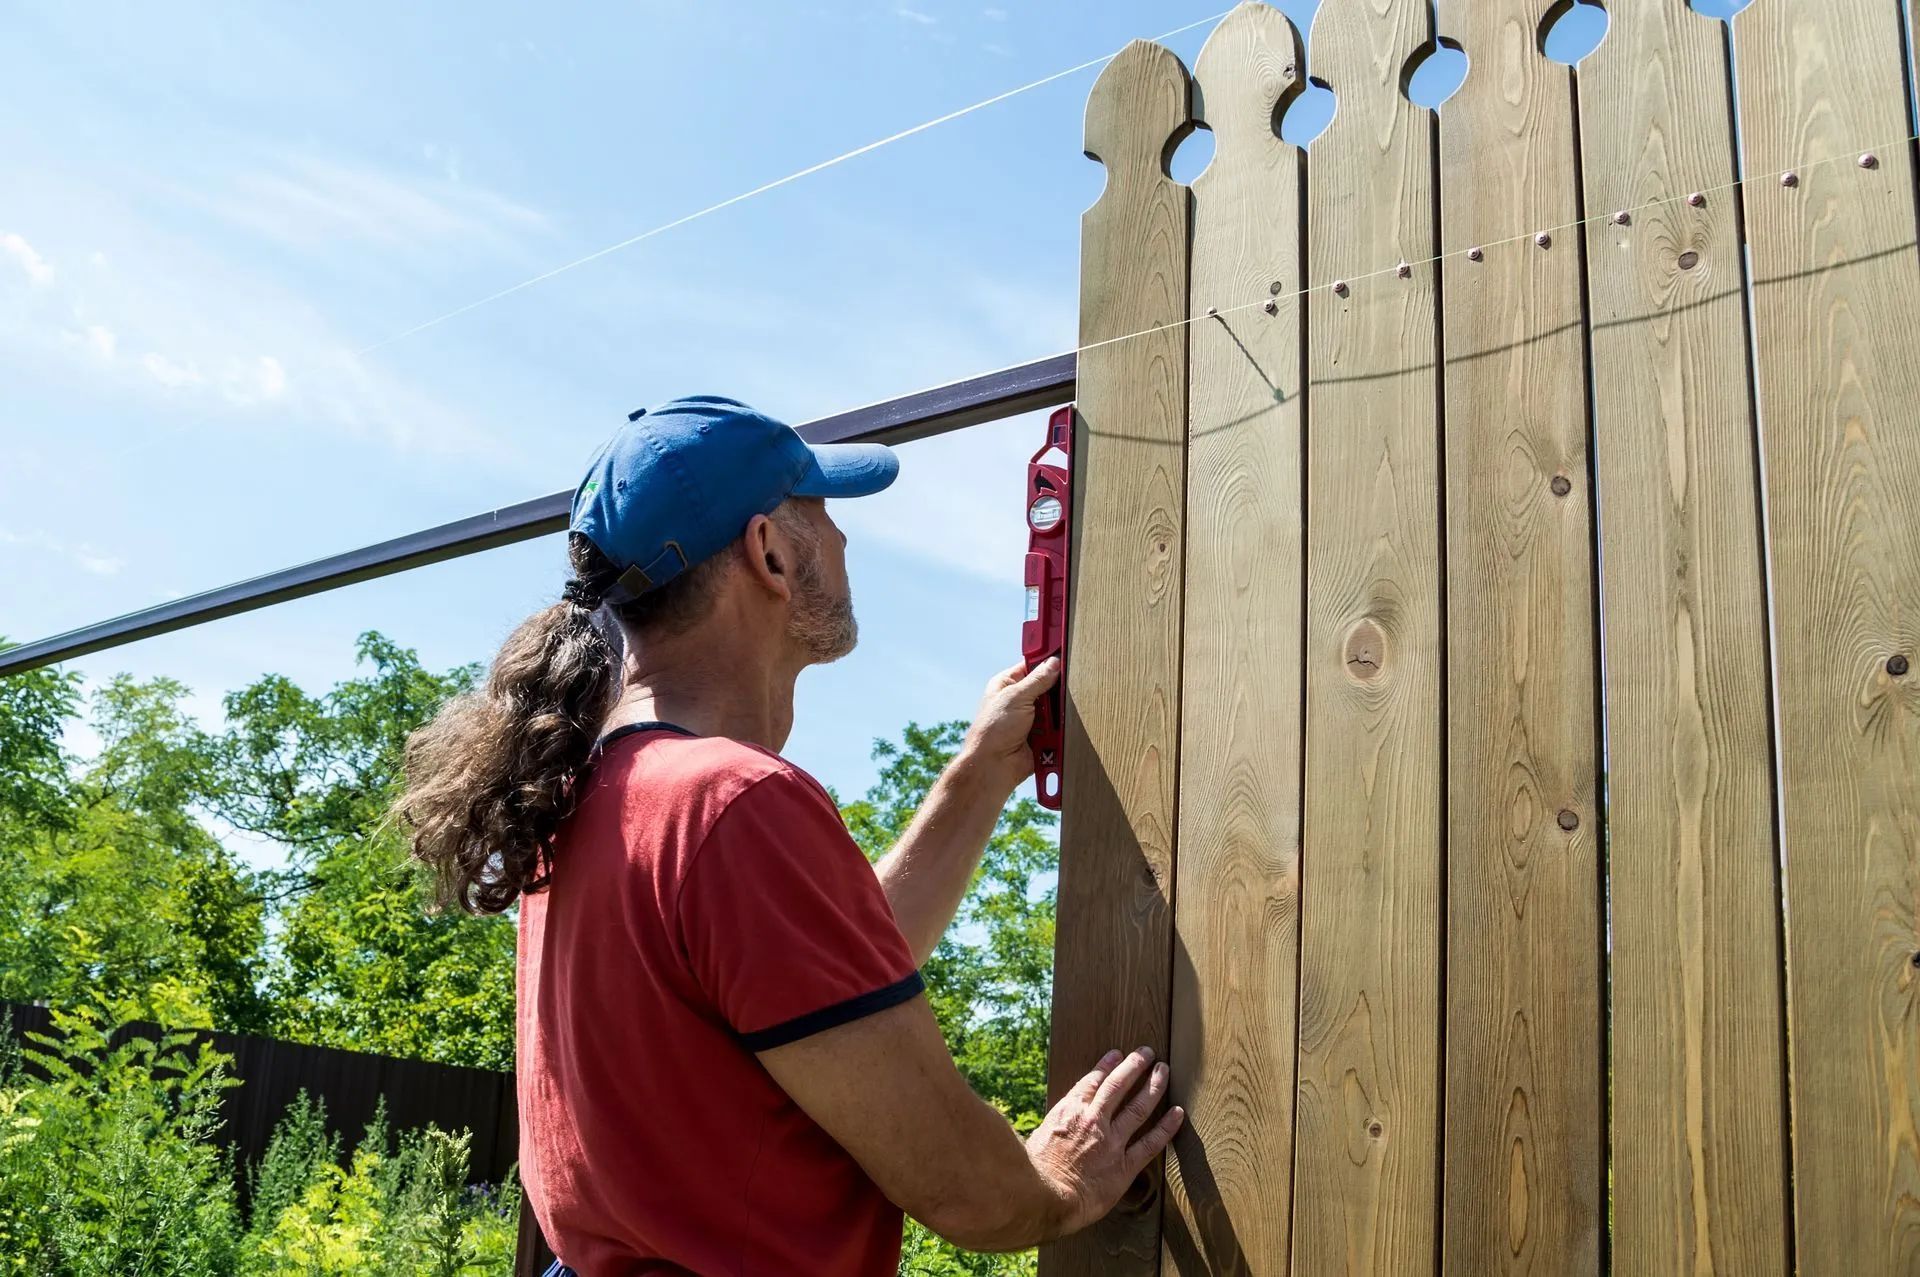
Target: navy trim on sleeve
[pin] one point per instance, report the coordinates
(855, 1008)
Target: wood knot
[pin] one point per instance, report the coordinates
(1567, 820)
(1561, 485)
(1366, 651)
(1375, 1130)
(1689, 260)
(1896, 665)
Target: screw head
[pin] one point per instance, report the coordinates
(1623, 218)
(1404, 271)
(1271, 306)
(1340, 287)
(1543, 239)
(1567, 820)
(1213, 312)
(1476, 254)
(1869, 160)
(1789, 180)
(1697, 200)
(1897, 665)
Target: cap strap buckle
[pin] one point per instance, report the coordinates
(637, 580)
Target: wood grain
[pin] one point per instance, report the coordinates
(1113, 941)
(1237, 901)
(1524, 1168)
(1368, 1146)
(1836, 313)
(1699, 1076)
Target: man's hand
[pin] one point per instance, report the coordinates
(996, 744)
(886, 1089)
(1086, 1147)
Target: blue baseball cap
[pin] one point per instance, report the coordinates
(679, 482)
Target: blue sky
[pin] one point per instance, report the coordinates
(208, 211)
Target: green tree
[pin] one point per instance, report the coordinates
(358, 962)
(115, 891)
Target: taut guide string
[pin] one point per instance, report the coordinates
(1789, 177)
(842, 158)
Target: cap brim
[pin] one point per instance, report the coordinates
(847, 470)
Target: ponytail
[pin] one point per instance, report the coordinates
(492, 776)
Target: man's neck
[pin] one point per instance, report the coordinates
(712, 693)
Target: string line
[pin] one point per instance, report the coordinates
(1213, 312)
(777, 183)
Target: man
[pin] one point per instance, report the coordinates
(726, 1062)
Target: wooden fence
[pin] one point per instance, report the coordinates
(273, 1073)
(1493, 758)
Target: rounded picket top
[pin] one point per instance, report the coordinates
(1138, 112)
(1250, 67)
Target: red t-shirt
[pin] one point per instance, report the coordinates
(706, 903)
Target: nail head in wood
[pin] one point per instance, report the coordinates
(1340, 287)
(1869, 160)
(1403, 270)
(1543, 239)
(1697, 200)
(1213, 312)
(1623, 218)
(1567, 821)
(1271, 306)
(1896, 665)
(1476, 254)
(1789, 180)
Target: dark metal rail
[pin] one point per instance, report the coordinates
(990, 397)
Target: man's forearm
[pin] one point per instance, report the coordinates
(926, 874)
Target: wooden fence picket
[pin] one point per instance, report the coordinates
(1237, 900)
(1126, 589)
(1836, 284)
(1699, 1079)
(1368, 1146)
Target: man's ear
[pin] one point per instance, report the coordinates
(767, 557)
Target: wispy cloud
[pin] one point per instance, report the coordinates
(308, 201)
(914, 15)
(994, 15)
(168, 373)
(82, 555)
(38, 270)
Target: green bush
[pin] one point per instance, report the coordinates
(108, 1166)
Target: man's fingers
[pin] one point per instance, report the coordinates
(1089, 1086)
(1032, 685)
(1141, 1153)
(1006, 678)
(1120, 1083)
(1134, 1115)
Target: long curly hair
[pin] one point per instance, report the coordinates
(491, 778)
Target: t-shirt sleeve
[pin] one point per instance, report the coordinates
(784, 922)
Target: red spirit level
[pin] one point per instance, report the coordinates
(1049, 514)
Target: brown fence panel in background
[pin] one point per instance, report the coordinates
(1123, 683)
(1836, 283)
(1237, 902)
(273, 1073)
